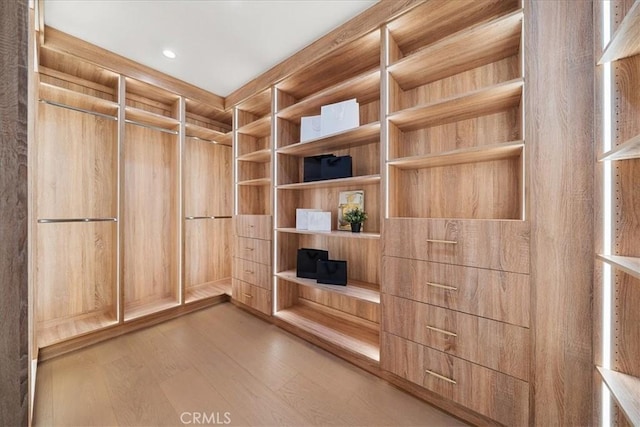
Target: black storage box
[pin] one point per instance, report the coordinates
(332, 272)
(308, 262)
(336, 167)
(312, 167)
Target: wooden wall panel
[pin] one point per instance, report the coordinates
(208, 183)
(14, 352)
(150, 215)
(207, 250)
(559, 148)
(77, 164)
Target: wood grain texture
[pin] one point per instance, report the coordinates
(625, 390)
(86, 186)
(59, 95)
(493, 294)
(14, 98)
(629, 149)
(475, 46)
(498, 396)
(255, 250)
(59, 41)
(252, 272)
(562, 262)
(435, 20)
(207, 246)
(150, 223)
(254, 226)
(342, 36)
(625, 42)
(75, 271)
(497, 245)
(207, 179)
(253, 296)
(495, 345)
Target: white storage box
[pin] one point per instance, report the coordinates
(310, 128)
(302, 218)
(319, 221)
(339, 117)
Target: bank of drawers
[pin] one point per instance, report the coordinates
(488, 392)
(251, 283)
(455, 300)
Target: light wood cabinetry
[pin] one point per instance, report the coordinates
(618, 258)
(252, 265)
(347, 317)
(132, 201)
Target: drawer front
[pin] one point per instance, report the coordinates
(254, 226)
(490, 393)
(489, 343)
(498, 245)
(253, 296)
(255, 250)
(498, 295)
(252, 272)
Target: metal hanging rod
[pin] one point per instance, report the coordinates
(208, 217)
(53, 221)
(81, 110)
(133, 122)
(203, 139)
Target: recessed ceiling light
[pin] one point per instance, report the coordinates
(169, 54)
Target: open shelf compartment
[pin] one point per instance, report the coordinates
(625, 390)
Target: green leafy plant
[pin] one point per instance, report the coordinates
(355, 216)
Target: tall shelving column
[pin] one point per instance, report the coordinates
(343, 317)
(252, 284)
(618, 355)
(76, 199)
(456, 240)
(208, 201)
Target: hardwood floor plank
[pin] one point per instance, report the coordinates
(220, 359)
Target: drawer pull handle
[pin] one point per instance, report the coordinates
(248, 271)
(442, 331)
(251, 226)
(249, 249)
(438, 285)
(447, 242)
(247, 295)
(441, 377)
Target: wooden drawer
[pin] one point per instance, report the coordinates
(498, 295)
(250, 295)
(255, 250)
(498, 245)
(489, 343)
(252, 272)
(488, 392)
(254, 226)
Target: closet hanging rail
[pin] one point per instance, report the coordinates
(207, 217)
(53, 221)
(81, 110)
(144, 125)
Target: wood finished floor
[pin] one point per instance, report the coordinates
(216, 361)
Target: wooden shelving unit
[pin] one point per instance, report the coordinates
(138, 162)
(257, 128)
(366, 87)
(476, 46)
(461, 156)
(328, 183)
(481, 102)
(625, 151)
(630, 265)
(363, 135)
(333, 233)
(354, 288)
(625, 389)
(259, 156)
(343, 333)
(258, 182)
(617, 359)
(624, 42)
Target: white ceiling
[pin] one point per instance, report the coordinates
(220, 44)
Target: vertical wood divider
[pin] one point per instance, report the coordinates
(121, 173)
(274, 197)
(181, 107)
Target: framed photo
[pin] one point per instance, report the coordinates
(349, 200)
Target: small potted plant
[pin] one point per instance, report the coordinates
(355, 217)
